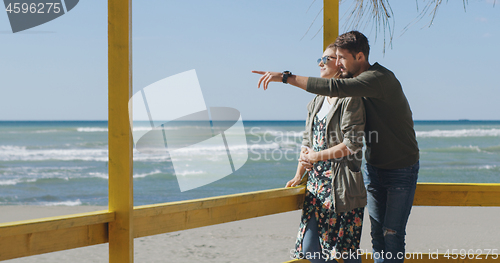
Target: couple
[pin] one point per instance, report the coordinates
(335, 195)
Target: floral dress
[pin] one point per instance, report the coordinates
(338, 232)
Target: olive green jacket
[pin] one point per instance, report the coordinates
(345, 124)
(390, 138)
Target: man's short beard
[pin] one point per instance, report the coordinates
(347, 75)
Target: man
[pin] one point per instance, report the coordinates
(391, 154)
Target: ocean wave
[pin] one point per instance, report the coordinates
(460, 133)
(210, 149)
(23, 153)
(473, 167)
(100, 129)
(91, 129)
(43, 179)
(157, 171)
(457, 148)
(140, 175)
(189, 173)
(274, 133)
(36, 170)
(492, 148)
(269, 146)
(99, 175)
(36, 131)
(9, 182)
(27, 179)
(487, 167)
(77, 202)
(46, 131)
(272, 146)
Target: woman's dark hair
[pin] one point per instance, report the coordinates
(354, 42)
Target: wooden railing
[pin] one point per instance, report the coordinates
(32, 237)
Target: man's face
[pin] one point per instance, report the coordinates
(349, 66)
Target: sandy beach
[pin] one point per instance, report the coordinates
(270, 238)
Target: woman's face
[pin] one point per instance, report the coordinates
(329, 69)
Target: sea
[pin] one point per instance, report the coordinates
(65, 163)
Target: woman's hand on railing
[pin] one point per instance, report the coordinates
(294, 182)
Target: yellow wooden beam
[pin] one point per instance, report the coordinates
(448, 194)
(330, 21)
(54, 223)
(121, 242)
(53, 240)
(33, 237)
(169, 217)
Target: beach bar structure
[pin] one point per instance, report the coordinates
(123, 222)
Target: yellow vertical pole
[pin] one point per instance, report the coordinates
(121, 240)
(330, 21)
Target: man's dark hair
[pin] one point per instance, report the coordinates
(354, 42)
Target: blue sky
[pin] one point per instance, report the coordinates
(58, 71)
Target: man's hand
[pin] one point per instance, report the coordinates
(268, 77)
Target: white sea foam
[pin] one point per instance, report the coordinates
(99, 175)
(9, 182)
(10, 147)
(212, 149)
(470, 147)
(91, 129)
(268, 146)
(37, 131)
(20, 153)
(189, 173)
(460, 133)
(63, 203)
(487, 167)
(99, 129)
(147, 174)
(106, 176)
(42, 172)
(454, 149)
(274, 133)
(46, 131)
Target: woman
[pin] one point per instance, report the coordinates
(335, 197)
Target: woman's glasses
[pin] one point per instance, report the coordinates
(325, 59)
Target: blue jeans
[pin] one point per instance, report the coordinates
(311, 245)
(390, 198)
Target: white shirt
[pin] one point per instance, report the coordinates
(325, 109)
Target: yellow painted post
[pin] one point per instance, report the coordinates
(121, 241)
(330, 21)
